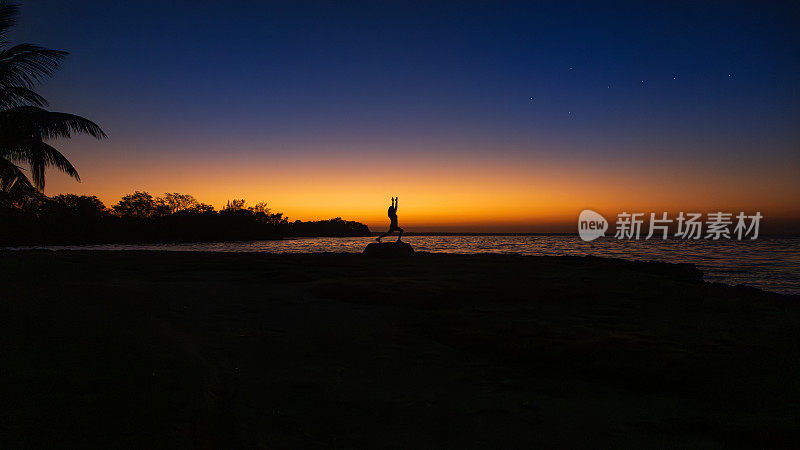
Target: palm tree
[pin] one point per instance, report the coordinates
(24, 124)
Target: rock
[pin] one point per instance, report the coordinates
(389, 249)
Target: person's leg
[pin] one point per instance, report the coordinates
(400, 230)
(384, 235)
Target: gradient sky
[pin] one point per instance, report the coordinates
(480, 116)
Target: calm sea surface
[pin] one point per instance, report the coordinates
(770, 263)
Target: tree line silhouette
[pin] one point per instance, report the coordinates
(139, 217)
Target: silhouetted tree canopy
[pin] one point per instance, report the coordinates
(234, 205)
(35, 219)
(173, 202)
(137, 205)
(260, 207)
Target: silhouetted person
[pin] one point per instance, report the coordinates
(393, 225)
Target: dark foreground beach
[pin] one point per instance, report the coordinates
(215, 350)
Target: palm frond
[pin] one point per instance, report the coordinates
(39, 155)
(8, 18)
(27, 64)
(18, 96)
(22, 122)
(11, 175)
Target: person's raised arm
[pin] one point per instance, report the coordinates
(395, 202)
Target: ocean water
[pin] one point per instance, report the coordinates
(769, 263)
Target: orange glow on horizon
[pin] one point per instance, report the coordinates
(446, 193)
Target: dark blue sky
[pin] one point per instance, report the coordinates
(631, 69)
(642, 81)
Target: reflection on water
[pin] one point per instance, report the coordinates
(770, 263)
